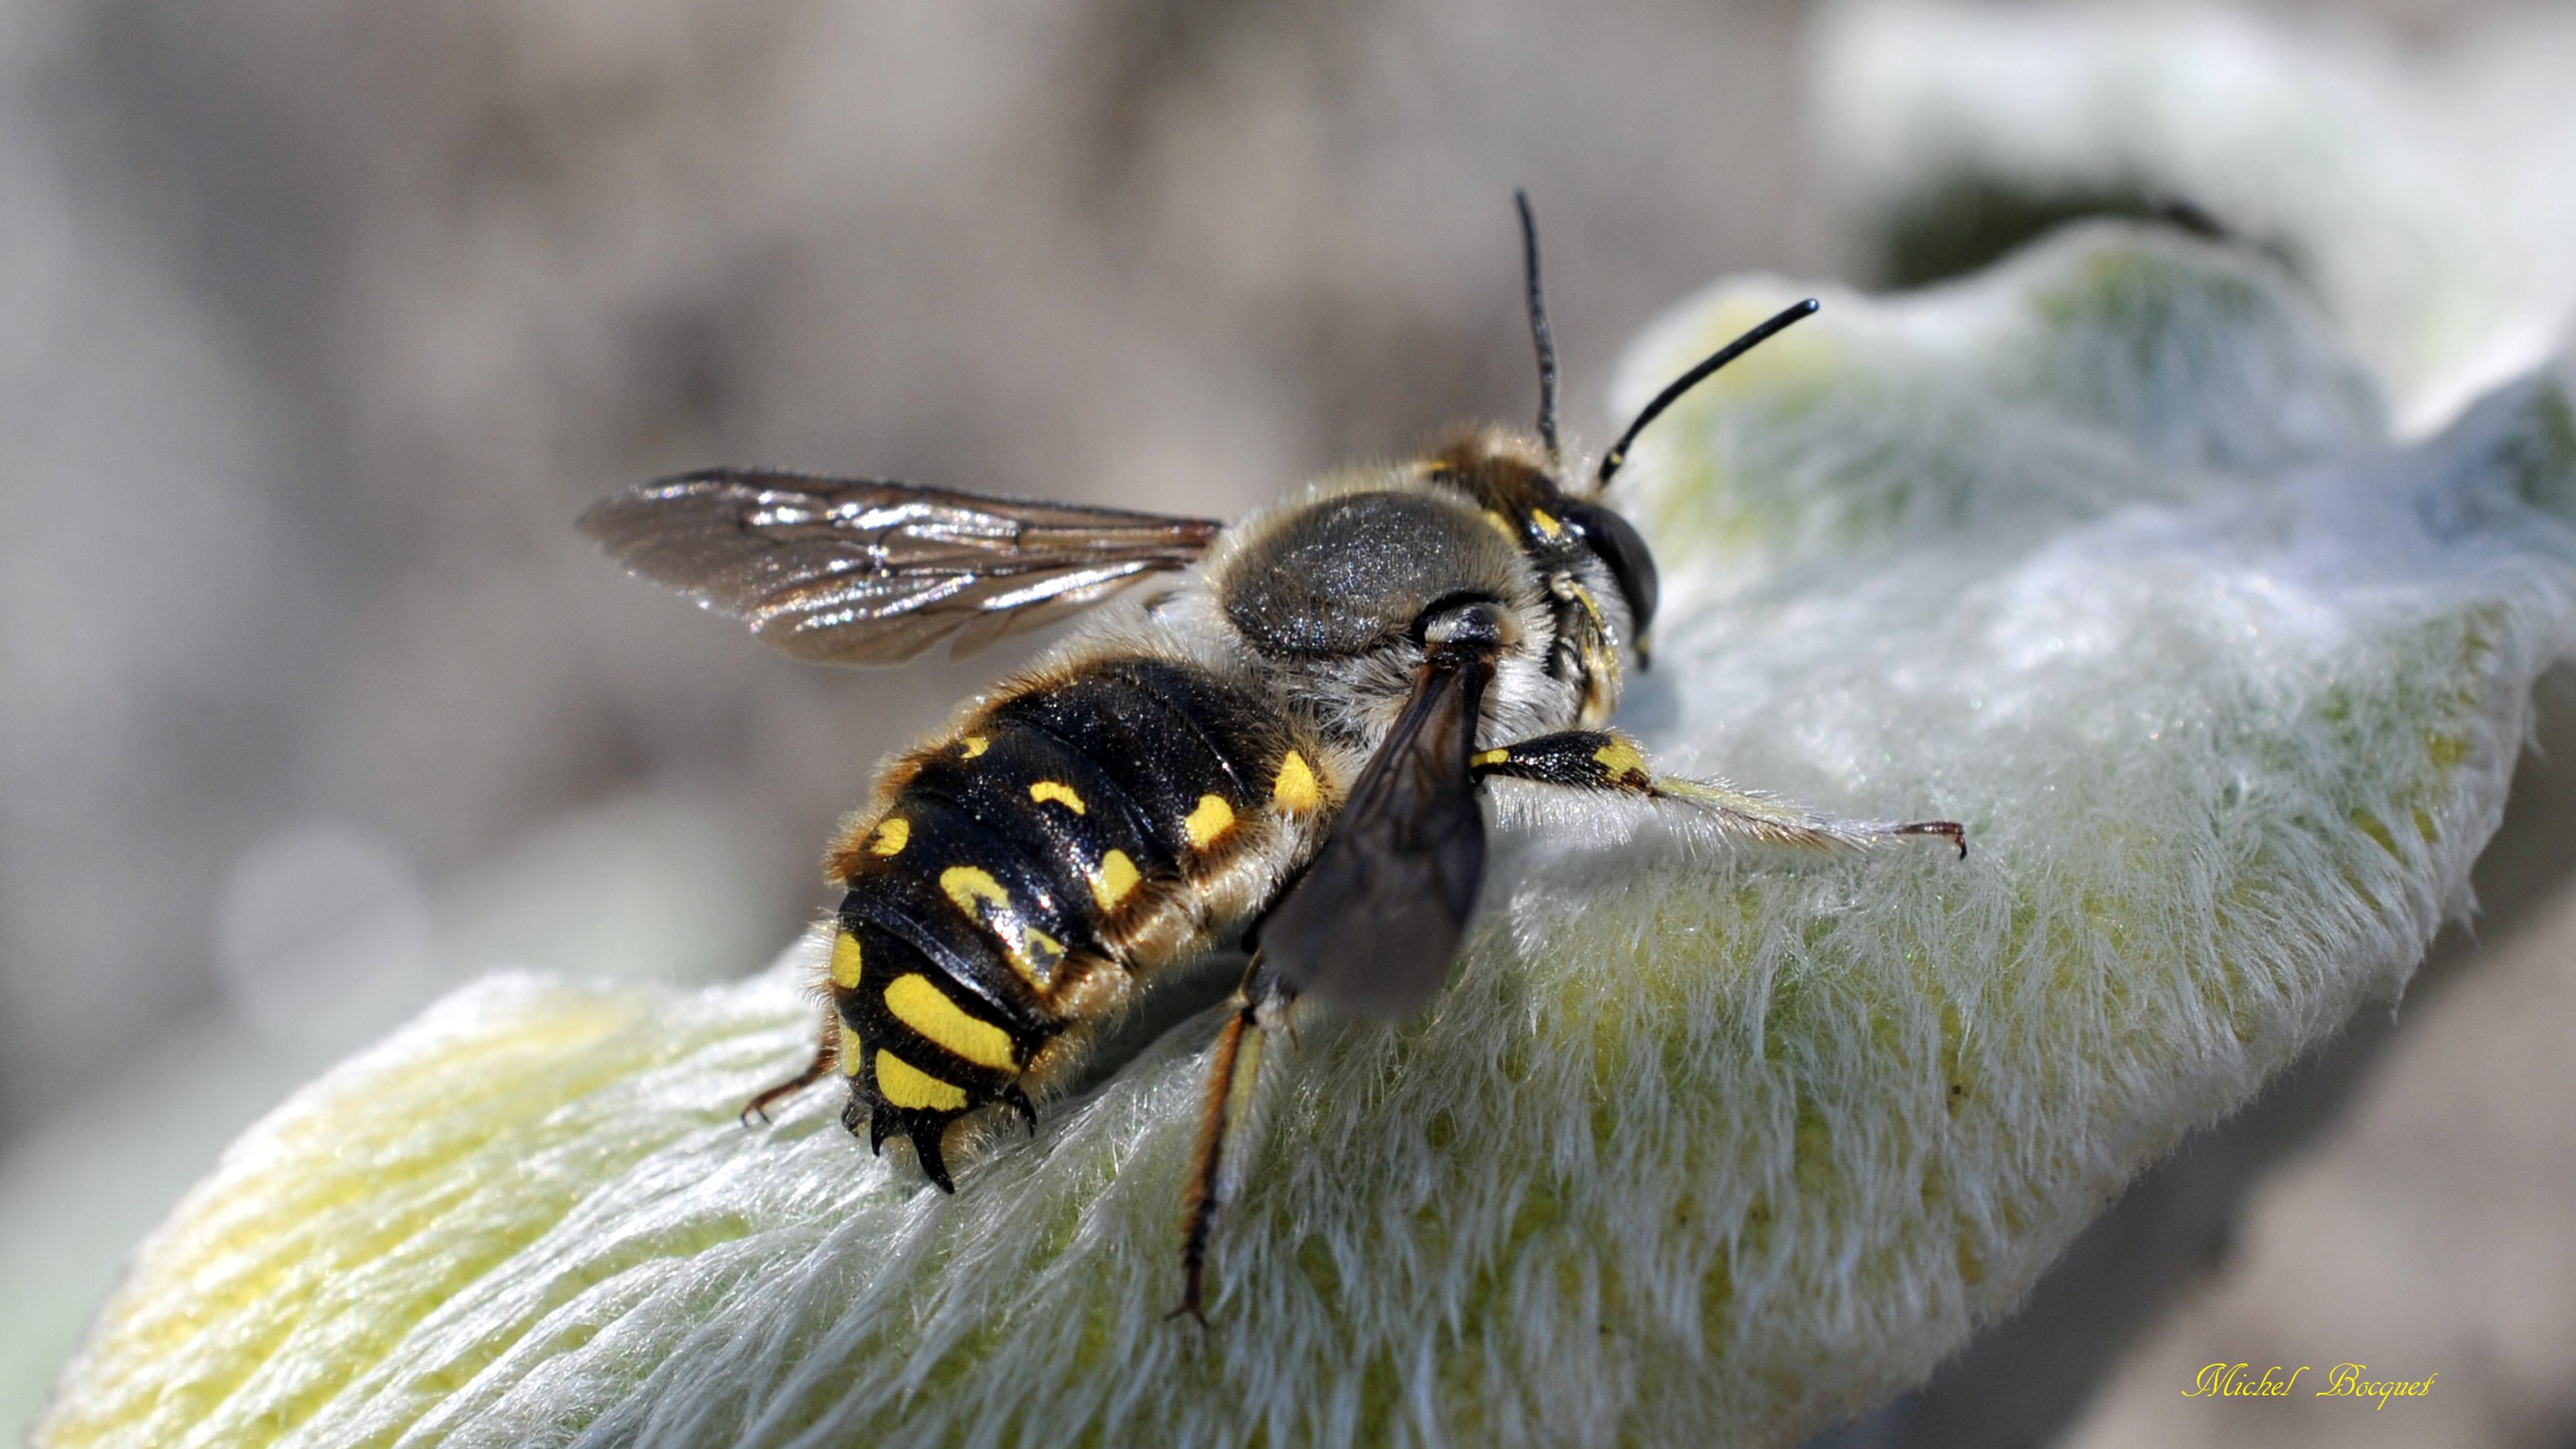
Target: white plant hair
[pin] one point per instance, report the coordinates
(2106, 552)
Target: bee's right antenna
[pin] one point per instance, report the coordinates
(1618, 454)
(1538, 326)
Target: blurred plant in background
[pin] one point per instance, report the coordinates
(2422, 194)
(323, 321)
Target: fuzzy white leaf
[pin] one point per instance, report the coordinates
(2104, 553)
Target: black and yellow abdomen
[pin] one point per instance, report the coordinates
(1073, 836)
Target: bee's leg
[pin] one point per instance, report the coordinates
(827, 1055)
(1599, 760)
(1018, 1101)
(1258, 1007)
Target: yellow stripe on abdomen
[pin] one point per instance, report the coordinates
(904, 1085)
(926, 1009)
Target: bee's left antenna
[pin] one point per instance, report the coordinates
(1538, 326)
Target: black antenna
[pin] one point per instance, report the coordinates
(1618, 454)
(1538, 326)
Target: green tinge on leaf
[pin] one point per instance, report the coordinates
(2103, 552)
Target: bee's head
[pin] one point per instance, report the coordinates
(1609, 538)
(1336, 586)
(1514, 477)
(1586, 570)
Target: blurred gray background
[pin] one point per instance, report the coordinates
(319, 322)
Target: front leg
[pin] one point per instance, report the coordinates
(1599, 760)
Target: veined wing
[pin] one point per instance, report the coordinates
(859, 571)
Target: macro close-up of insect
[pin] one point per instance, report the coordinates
(1279, 745)
(1932, 742)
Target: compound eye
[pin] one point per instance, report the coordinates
(1617, 543)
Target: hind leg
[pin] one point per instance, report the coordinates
(827, 1055)
(1259, 1007)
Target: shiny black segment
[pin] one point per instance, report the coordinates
(1624, 550)
(1163, 733)
(904, 896)
(1119, 761)
(993, 789)
(1234, 728)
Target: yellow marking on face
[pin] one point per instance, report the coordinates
(973, 745)
(1041, 953)
(1115, 878)
(1061, 793)
(853, 1055)
(1489, 757)
(845, 960)
(904, 1085)
(1547, 524)
(926, 1009)
(1503, 526)
(1213, 818)
(1619, 759)
(967, 884)
(1294, 789)
(892, 836)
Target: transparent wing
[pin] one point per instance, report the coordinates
(858, 571)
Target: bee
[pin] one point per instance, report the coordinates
(1281, 746)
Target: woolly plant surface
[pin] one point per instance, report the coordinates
(2420, 190)
(2103, 552)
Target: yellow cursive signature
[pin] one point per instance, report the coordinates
(2343, 1381)
(2228, 1381)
